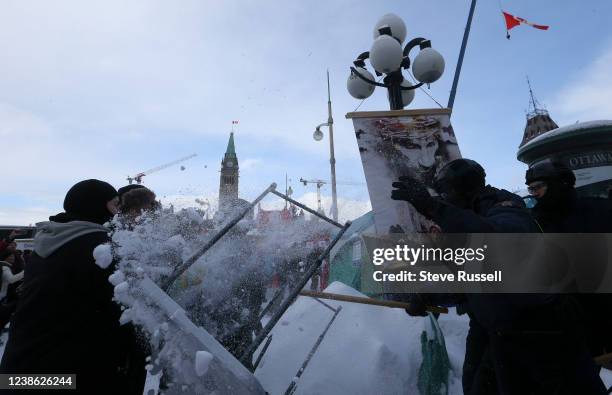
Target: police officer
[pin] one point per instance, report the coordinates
(522, 364)
(559, 209)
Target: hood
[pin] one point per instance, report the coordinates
(52, 235)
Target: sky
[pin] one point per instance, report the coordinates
(106, 89)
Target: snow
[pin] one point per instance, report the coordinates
(606, 376)
(202, 362)
(122, 287)
(368, 349)
(116, 278)
(150, 249)
(103, 256)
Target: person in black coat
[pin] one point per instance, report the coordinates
(66, 320)
(499, 322)
(559, 209)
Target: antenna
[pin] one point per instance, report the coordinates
(535, 108)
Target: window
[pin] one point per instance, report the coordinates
(356, 253)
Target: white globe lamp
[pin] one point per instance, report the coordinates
(394, 23)
(386, 54)
(428, 66)
(359, 88)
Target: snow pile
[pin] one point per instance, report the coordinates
(367, 350)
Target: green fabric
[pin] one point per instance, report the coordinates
(433, 373)
(343, 270)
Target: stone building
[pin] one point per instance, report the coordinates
(228, 180)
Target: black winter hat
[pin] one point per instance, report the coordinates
(86, 201)
(551, 171)
(464, 176)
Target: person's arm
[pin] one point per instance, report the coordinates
(10, 277)
(503, 218)
(499, 220)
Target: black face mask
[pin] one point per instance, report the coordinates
(558, 197)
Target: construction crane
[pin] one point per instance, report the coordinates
(319, 184)
(138, 177)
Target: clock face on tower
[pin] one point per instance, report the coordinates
(229, 163)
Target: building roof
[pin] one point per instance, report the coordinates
(357, 227)
(591, 132)
(231, 150)
(538, 124)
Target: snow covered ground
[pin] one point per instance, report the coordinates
(367, 350)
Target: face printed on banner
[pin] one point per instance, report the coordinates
(419, 151)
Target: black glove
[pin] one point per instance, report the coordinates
(417, 306)
(415, 193)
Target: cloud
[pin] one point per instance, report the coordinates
(587, 96)
(249, 163)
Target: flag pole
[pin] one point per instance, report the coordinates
(466, 33)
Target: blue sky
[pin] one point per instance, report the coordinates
(106, 89)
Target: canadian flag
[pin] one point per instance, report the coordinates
(513, 21)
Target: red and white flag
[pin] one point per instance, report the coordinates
(513, 21)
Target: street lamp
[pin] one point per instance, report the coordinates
(387, 57)
(318, 136)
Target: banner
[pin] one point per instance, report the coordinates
(414, 143)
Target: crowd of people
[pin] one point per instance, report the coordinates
(520, 343)
(63, 317)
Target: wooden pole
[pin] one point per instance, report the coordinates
(604, 360)
(374, 302)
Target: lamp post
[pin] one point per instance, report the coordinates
(388, 58)
(318, 136)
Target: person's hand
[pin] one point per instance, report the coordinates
(415, 193)
(417, 306)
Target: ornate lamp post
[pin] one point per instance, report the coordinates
(389, 58)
